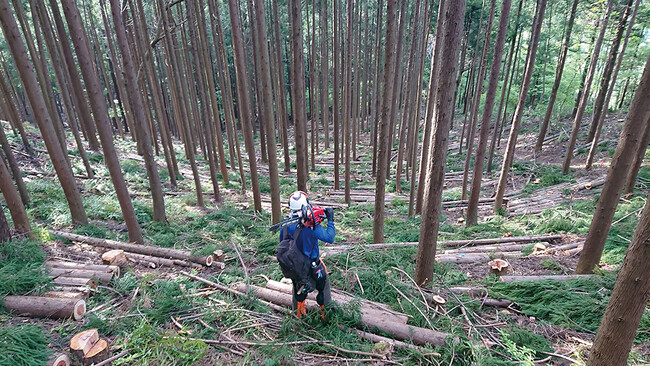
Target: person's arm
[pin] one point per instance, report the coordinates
(326, 235)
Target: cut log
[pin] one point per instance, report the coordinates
(81, 343)
(341, 300)
(560, 248)
(115, 257)
(98, 353)
(67, 295)
(491, 248)
(75, 281)
(103, 277)
(544, 277)
(82, 289)
(60, 359)
(452, 243)
(499, 267)
(218, 256)
(400, 331)
(471, 291)
(45, 307)
(157, 261)
(474, 257)
(377, 338)
(92, 267)
(205, 260)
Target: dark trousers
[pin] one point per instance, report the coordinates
(324, 296)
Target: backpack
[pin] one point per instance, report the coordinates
(294, 263)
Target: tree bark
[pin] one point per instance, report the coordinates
(638, 160)
(336, 53)
(14, 202)
(521, 104)
(558, 78)
(635, 125)
(472, 207)
(63, 170)
(244, 99)
(444, 97)
(45, 307)
(384, 123)
(283, 121)
(628, 302)
(324, 72)
(298, 91)
(585, 92)
(267, 106)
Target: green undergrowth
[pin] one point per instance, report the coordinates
(548, 175)
(23, 345)
(21, 269)
(577, 304)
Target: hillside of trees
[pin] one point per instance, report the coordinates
(487, 163)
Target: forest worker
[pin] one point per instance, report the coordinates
(307, 241)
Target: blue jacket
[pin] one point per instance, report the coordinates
(308, 240)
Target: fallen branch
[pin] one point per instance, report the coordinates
(157, 261)
(137, 248)
(544, 277)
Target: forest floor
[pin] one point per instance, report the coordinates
(162, 317)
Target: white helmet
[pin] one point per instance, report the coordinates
(296, 201)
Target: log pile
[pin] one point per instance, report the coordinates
(73, 279)
(151, 254)
(89, 348)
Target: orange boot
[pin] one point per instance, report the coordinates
(300, 309)
(322, 312)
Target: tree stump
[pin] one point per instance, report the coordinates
(115, 257)
(98, 353)
(499, 267)
(82, 343)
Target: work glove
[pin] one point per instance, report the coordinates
(329, 213)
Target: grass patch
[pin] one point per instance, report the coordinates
(23, 345)
(21, 267)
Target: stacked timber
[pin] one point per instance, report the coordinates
(72, 279)
(152, 254)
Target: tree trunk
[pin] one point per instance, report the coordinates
(521, 104)
(585, 92)
(324, 72)
(281, 99)
(336, 52)
(638, 160)
(472, 207)
(5, 232)
(6, 148)
(600, 107)
(298, 91)
(558, 78)
(14, 202)
(63, 170)
(627, 303)
(243, 98)
(377, 86)
(610, 88)
(444, 97)
(267, 105)
(630, 140)
(384, 124)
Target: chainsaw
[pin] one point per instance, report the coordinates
(311, 216)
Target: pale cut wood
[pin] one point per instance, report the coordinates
(82, 289)
(75, 281)
(67, 295)
(115, 257)
(400, 331)
(205, 260)
(491, 248)
(157, 261)
(499, 267)
(98, 353)
(45, 307)
(60, 360)
(82, 342)
(341, 300)
(103, 277)
(93, 267)
(544, 277)
(475, 257)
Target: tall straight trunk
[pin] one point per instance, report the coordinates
(267, 105)
(14, 201)
(324, 72)
(11, 160)
(638, 160)
(376, 86)
(558, 78)
(428, 117)
(444, 99)
(11, 109)
(32, 90)
(600, 107)
(347, 98)
(384, 124)
(612, 84)
(243, 98)
(336, 114)
(88, 128)
(635, 125)
(477, 177)
(100, 112)
(585, 70)
(521, 104)
(281, 100)
(585, 92)
(477, 99)
(628, 301)
(140, 119)
(313, 87)
(298, 92)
